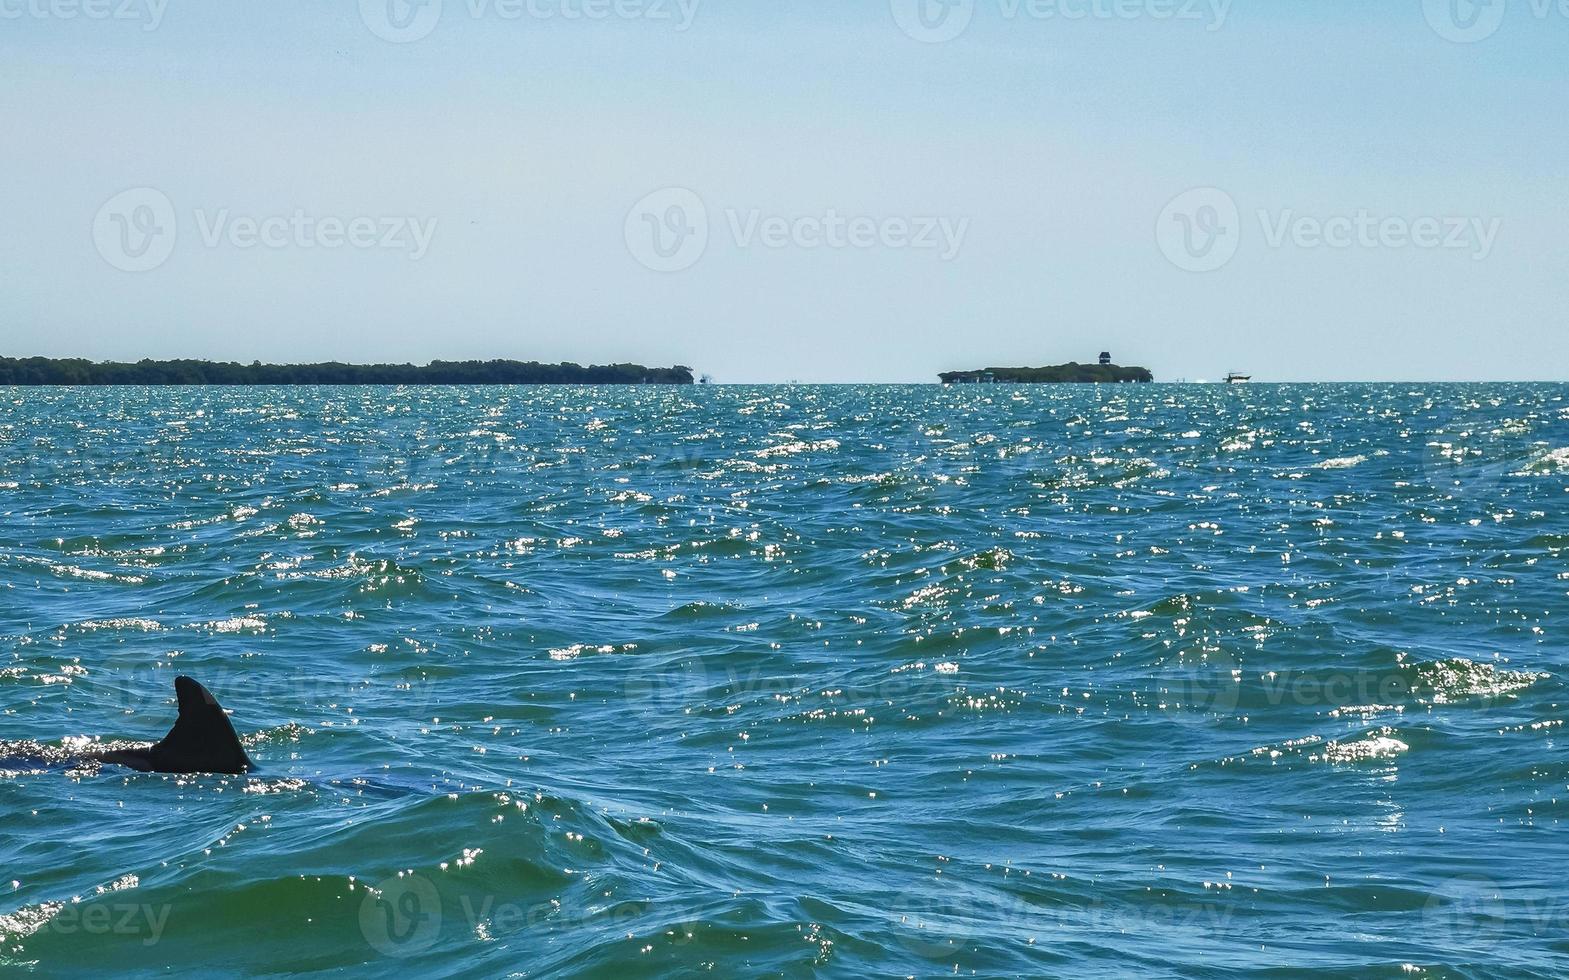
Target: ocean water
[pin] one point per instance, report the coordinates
(1167, 681)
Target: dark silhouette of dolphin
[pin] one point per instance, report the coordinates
(201, 741)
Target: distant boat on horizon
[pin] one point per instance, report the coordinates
(1235, 378)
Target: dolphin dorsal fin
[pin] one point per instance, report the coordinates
(202, 739)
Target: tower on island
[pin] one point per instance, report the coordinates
(1105, 358)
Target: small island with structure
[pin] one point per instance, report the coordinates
(1071, 373)
(37, 371)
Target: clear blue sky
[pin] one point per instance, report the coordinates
(1048, 145)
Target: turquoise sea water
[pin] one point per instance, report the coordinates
(1182, 681)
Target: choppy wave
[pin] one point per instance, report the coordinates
(1189, 681)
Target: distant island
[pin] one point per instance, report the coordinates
(33, 371)
(1070, 373)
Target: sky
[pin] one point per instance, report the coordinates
(815, 191)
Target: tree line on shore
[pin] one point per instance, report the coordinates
(79, 371)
